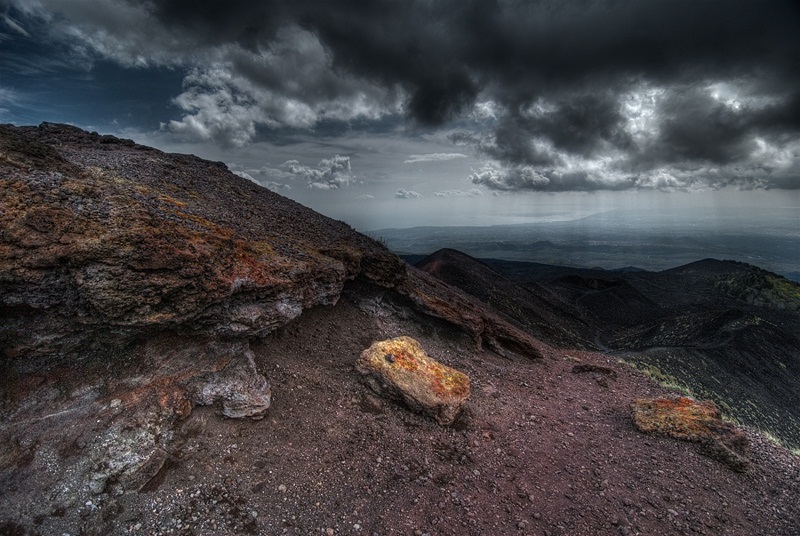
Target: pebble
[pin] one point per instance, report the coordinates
(329, 531)
(282, 488)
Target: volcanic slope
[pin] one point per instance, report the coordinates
(723, 330)
(145, 296)
(533, 307)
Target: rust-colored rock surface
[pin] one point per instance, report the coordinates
(695, 421)
(399, 368)
(103, 238)
(99, 232)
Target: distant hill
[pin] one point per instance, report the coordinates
(645, 241)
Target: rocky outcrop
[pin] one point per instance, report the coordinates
(122, 415)
(131, 281)
(695, 421)
(532, 307)
(103, 238)
(100, 234)
(399, 369)
(486, 326)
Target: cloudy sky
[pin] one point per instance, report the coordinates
(410, 112)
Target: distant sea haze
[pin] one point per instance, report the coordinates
(620, 239)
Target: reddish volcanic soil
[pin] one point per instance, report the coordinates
(541, 450)
(121, 305)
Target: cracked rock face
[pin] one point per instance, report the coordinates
(398, 368)
(237, 387)
(122, 424)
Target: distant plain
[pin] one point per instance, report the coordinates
(623, 238)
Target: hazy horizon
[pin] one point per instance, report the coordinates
(620, 238)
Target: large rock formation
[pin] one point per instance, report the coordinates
(100, 234)
(131, 281)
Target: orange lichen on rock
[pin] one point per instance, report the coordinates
(681, 417)
(695, 421)
(400, 369)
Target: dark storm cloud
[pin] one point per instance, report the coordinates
(584, 124)
(443, 51)
(696, 127)
(405, 44)
(559, 72)
(586, 94)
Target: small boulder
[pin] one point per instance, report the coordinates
(598, 369)
(695, 421)
(399, 369)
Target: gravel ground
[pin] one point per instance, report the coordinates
(541, 450)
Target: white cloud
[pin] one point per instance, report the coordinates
(230, 90)
(219, 113)
(275, 186)
(233, 91)
(516, 178)
(402, 193)
(122, 31)
(484, 110)
(474, 192)
(365, 197)
(330, 173)
(433, 157)
(245, 175)
(8, 96)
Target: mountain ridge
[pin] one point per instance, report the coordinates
(178, 354)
